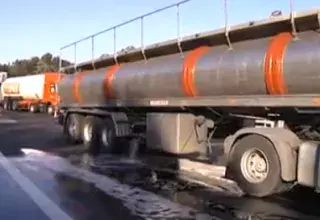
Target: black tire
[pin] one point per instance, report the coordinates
(108, 139)
(42, 108)
(73, 135)
(91, 124)
(14, 105)
(50, 109)
(235, 171)
(6, 104)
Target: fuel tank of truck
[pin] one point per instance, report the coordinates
(276, 65)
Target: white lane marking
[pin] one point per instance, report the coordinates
(8, 121)
(28, 151)
(44, 203)
(145, 204)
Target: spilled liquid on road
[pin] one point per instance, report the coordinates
(140, 202)
(151, 194)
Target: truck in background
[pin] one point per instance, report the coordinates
(251, 90)
(3, 76)
(34, 93)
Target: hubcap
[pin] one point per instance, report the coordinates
(50, 110)
(254, 165)
(87, 131)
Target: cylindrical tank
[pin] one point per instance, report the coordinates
(27, 87)
(276, 65)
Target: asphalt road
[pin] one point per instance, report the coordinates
(43, 178)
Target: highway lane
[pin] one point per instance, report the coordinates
(15, 203)
(75, 192)
(79, 186)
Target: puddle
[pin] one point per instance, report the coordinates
(140, 202)
(153, 195)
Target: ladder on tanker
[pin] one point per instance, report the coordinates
(182, 44)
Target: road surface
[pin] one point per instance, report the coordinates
(43, 178)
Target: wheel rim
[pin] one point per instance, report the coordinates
(105, 137)
(72, 129)
(50, 110)
(254, 165)
(87, 132)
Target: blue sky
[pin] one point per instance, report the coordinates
(34, 27)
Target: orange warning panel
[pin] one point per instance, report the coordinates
(188, 70)
(76, 86)
(273, 66)
(111, 71)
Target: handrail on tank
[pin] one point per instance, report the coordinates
(141, 17)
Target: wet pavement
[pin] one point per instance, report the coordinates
(13, 198)
(43, 178)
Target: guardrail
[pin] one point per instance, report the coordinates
(142, 18)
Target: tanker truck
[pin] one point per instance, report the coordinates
(34, 93)
(247, 98)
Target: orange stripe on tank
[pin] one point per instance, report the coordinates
(273, 66)
(111, 71)
(76, 85)
(189, 65)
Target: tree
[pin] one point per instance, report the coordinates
(46, 63)
(126, 49)
(4, 67)
(34, 65)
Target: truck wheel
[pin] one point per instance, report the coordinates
(255, 166)
(14, 105)
(50, 109)
(91, 133)
(33, 108)
(108, 136)
(73, 128)
(6, 105)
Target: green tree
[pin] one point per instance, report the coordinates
(46, 63)
(34, 65)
